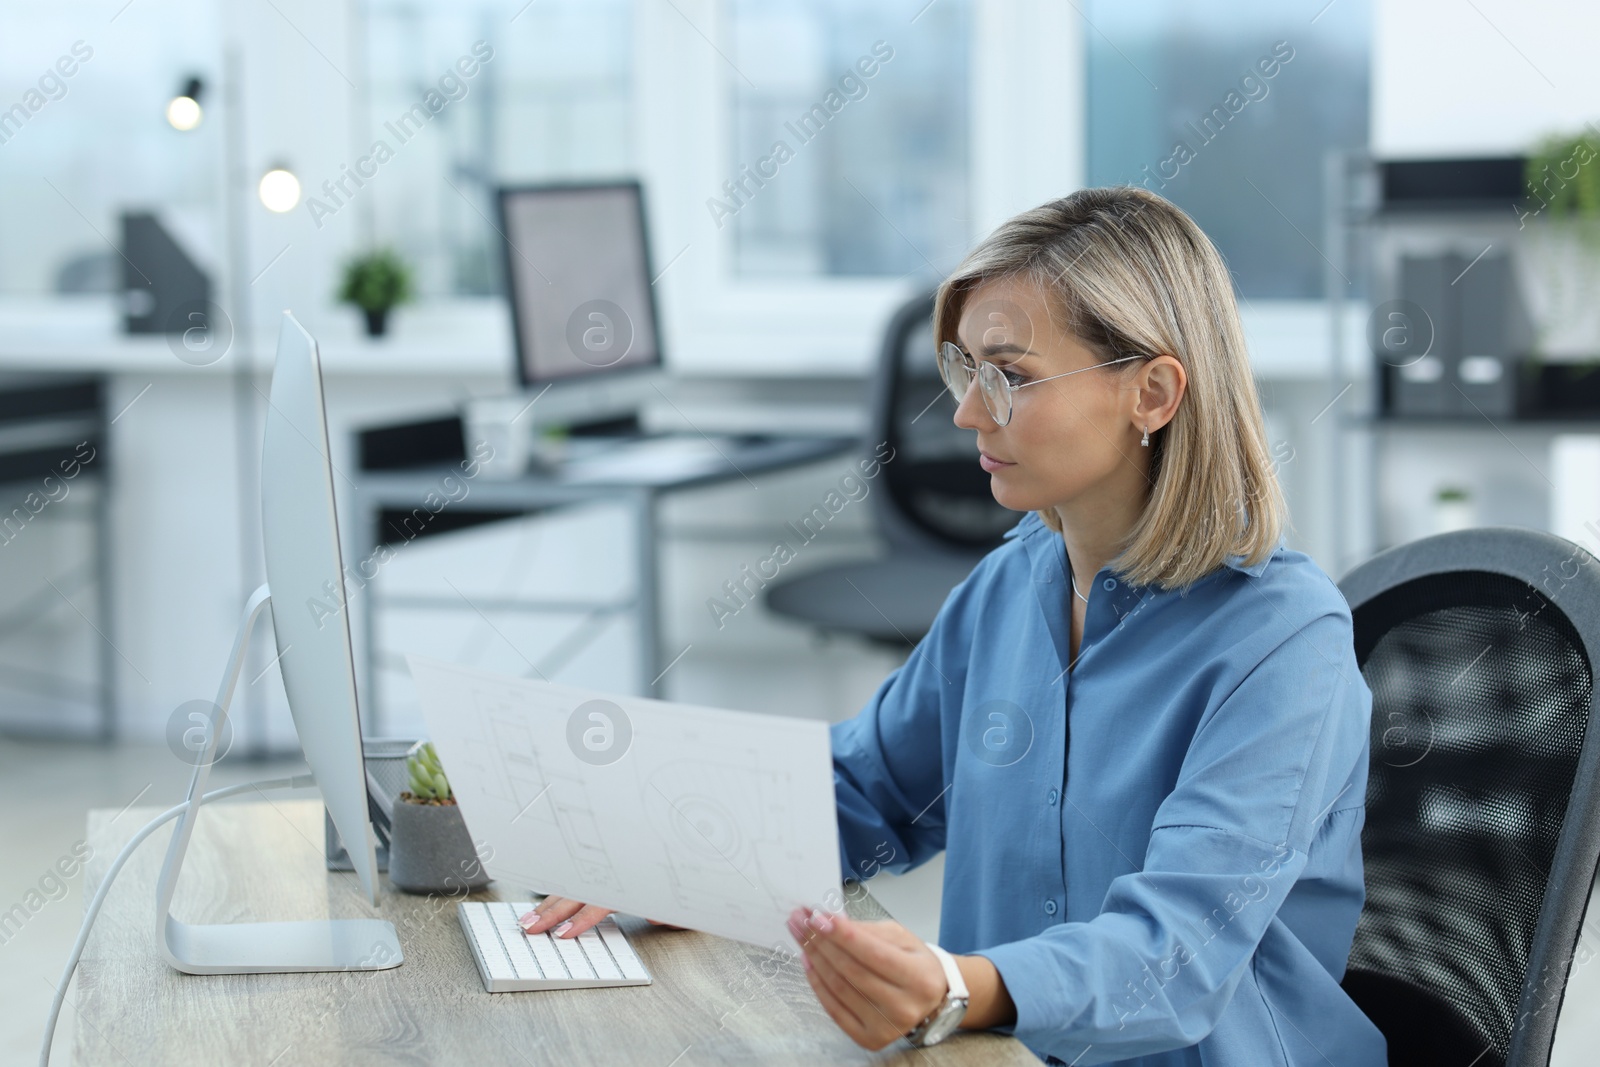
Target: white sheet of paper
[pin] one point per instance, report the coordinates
(721, 821)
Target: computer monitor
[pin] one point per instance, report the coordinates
(305, 587)
(305, 574)
(578, 281)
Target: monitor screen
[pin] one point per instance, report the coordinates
(305, 570)
(578, 279)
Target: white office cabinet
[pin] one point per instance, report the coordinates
(1575, 488)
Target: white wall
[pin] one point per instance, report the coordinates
(1482, 78)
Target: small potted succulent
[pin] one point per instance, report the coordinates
(375, 283)
(430, 850)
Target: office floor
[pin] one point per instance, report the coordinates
(52, 785)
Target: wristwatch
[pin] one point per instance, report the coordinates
(943, 1020)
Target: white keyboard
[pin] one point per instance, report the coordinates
(652, 459)
(510, 960)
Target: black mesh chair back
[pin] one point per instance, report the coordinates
(930, 501)
(936, 497)
(1482, 827)
(56, 531)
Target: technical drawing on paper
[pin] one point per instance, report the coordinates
(718, 820)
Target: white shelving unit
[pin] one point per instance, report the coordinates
(1504, 463)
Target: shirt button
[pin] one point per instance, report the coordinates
(1053, 796)
(1049, 907)
(1109, 584)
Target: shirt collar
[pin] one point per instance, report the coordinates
(1031, 523)
(1237, 562)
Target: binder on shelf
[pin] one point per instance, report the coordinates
(1495, 331)
(1471, 329)
(1419, 371)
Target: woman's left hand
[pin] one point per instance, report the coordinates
(876, 979)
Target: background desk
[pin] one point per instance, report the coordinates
(186, 552)
(711, 1001)
(398, 493)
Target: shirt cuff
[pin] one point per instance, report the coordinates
(1034, 985)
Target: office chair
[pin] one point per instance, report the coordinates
(931, 504)
(1483, 803)
(56, 541)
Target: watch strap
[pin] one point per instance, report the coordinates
(956, 991)
(952, 973)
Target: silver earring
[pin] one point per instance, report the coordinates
(1145, 443)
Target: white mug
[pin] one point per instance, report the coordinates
(498, 421)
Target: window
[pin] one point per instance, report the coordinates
(1228, 111)
(848, 138)
(552, 101)
(78, 148)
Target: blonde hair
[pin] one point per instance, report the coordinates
(1134, 275)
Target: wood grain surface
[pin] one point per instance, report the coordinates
(713, 1000)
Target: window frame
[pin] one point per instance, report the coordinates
(1027, 74)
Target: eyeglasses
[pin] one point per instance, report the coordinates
(957, 370)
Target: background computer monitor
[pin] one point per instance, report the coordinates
(578, 281)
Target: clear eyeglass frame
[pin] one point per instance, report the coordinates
(957, 369)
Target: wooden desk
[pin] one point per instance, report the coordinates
(713, 1000)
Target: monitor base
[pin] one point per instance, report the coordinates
(264, 948)
(257, 948)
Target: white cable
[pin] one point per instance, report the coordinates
(300, 781)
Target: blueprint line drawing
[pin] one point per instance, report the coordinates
(717, 820)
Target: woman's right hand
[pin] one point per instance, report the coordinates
(563, 918)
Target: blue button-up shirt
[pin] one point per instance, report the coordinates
(1159, 849)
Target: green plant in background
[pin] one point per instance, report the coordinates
(376, 281)
(428, 783)
(1563, 177)
(1562, 191)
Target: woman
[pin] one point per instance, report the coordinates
(1137, 729)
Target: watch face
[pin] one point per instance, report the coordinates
(945, 1024)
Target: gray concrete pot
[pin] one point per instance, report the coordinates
(430, 850)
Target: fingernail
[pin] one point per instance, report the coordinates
(528, 918)
(821, 922)
(561, 931)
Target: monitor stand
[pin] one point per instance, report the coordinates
(257, 948)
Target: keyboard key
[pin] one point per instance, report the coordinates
(627, 962)
(516, 942)
(599, 957)
(573, 957)
(549, 959)
(493, 950)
